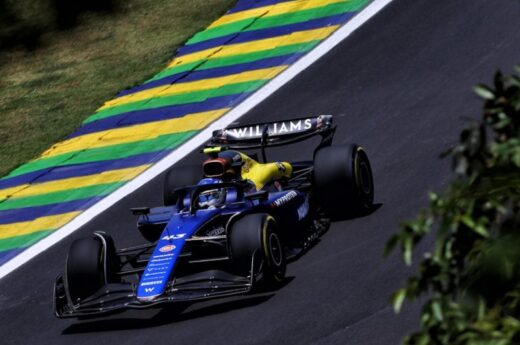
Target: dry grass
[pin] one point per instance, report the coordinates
(45, 94)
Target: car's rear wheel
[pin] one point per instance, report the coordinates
(256, 235)
(342, 180)
(179, 176)
(91, 263)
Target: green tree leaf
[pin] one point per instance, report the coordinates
(484, 92)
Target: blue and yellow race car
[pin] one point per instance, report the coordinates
(227, 226)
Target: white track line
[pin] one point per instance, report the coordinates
(203, 136)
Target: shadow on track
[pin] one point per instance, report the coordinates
(347, 216)
(172, 313)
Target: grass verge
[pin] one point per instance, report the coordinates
(46, 93)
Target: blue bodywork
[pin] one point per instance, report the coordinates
(288, 207)
(162, 262)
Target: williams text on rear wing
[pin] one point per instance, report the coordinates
(261, 135)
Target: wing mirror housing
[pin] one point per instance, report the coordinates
(140, 211)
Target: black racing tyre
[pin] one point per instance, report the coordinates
(256, 234)
(179, 176)
(91, 263)
(342, 180)
(84, 268)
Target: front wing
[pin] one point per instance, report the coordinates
(117, 297)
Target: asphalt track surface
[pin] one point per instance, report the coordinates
(400, 86)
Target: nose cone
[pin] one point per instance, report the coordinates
(147, 299)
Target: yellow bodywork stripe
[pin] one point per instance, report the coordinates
(272, 10)
(205, 84)
(136, 133)
(255, 46)
(110, 176)
(38, 224)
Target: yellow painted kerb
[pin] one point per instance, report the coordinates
(38, 224)
(255, 46)
(136, 133)
(199, 85)
(272, 10)
(110, 176)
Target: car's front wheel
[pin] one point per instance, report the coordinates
(91, 263)
(256, 235)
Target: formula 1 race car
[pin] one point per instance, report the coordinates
(227, 226)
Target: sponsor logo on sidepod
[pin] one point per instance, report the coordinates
(284, 199)
(167, 248)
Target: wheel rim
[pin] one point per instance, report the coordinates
(275, 249)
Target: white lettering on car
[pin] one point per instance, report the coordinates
(295, 126)
(174, 237)
(163, 255)
(275, 128)
(157, 260)
(162, 264)
(160, 268)
(284, 199)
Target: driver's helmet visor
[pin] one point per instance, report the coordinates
(212, 197)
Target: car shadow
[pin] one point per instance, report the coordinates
(173, 313)
(374, 208)
(345, 217)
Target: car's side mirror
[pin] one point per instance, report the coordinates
(140, 211)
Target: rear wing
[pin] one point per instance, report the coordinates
(268, 134)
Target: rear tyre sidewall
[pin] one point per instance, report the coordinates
(179, 176)
(364, 180)
(342, 180)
